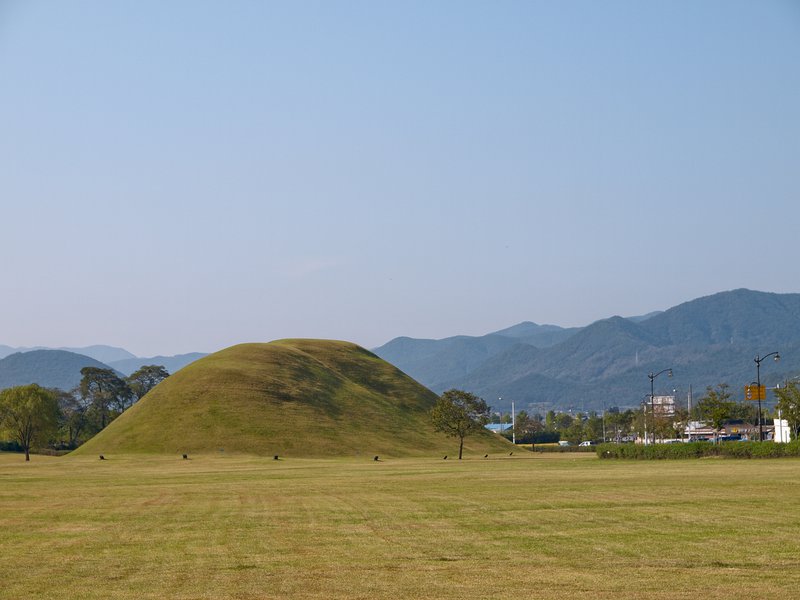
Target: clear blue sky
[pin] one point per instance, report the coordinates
(185, 175)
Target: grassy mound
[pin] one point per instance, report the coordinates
(309, 398)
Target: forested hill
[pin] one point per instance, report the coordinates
(706, 341)
(49, 368)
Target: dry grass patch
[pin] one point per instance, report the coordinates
(542, 526)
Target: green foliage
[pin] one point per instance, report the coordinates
(145, 379)
(586, 427)
(592, 427)
(527, 426)
(745, 411)
(544, 437)
(562, 449)
(30, 414)
(10, 446)
(74, 420)
(574, 433)
(106, 392)
(700, 450)
(716, 407)
(620, 424)
(789, 405)
(458, 413)
(535, 437)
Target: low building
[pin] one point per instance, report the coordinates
(740, 428)
(498, 427)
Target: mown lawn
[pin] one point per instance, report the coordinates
(527, 526)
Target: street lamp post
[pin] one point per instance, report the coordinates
(513, 424)
(652, 398)
(758, 360)
(644, 418)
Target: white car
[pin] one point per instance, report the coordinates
(587, 443)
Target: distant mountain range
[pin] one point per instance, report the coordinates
(706, 341)
(170, 363)
(105, 354)
(61, 368)
(49, 368)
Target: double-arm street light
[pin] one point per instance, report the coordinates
(758, 360)
(652, 399)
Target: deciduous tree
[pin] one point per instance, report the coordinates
(789, 405)
(30, 414)
(106, 391)
(526, 426)
(458, 413)
(715, 407)
(73, 415)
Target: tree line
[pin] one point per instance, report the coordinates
(32, 416)
(714, 408)
(458, 413)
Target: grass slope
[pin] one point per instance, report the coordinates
(545, 526)
(290, 397)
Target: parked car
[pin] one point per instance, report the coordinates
(564, 443)
(586, 443)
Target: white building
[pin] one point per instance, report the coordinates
(782, 432)
(664, 406)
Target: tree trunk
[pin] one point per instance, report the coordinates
(461, 448)
(27, 454)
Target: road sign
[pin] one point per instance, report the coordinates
(753, 392)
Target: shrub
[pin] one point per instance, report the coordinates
(793, 448)
(699, 450)
(540, 437)
(555, 448)
(10, 447)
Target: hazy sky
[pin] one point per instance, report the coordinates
(180, 176)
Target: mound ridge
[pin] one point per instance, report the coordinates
(302, 398)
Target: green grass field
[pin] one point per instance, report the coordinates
(527, 526)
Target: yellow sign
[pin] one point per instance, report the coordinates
(753, 392)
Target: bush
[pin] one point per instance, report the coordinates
(556, 448)
(699, 450)
(10, 447)
(545, 437)
(657, 452)
(540, 437)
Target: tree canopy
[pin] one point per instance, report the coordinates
(145, 379)
(30, 414)
(458, 413)
(716, 406)
(105, 391)
(789, 405)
